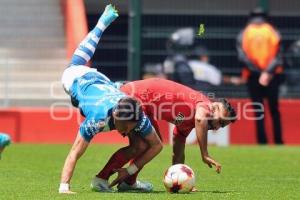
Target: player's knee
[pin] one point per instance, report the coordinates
(132, 151)
(141, 147)
(137, 149)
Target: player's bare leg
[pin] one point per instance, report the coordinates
(131, 183)
(100, 181)
(178, 150)
(136, 147)
(117, 160)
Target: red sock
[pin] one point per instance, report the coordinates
(116, 161)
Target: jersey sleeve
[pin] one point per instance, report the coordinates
(144, 127)
(154, 123)
(90, 127)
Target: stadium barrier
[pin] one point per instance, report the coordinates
(60, 125)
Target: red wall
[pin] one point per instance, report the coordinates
(36, 125)
(243, 131)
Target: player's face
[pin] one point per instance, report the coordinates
(124, 127)
(219, 116)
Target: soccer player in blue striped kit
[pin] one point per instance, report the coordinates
(104, 108)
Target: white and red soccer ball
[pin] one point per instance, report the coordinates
(179, 178)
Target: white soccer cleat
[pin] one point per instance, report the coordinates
(139, 186)
(100, 185)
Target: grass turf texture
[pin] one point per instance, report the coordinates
(33, 171)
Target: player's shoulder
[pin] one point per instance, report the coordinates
(203, 108)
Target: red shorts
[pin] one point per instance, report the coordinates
(181, 135)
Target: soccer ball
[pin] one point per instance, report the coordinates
(179, 178)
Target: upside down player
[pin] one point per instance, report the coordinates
(103, 105)
(185, 108)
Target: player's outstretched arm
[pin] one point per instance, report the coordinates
(75, 153)
(154, 147)
(201, 125)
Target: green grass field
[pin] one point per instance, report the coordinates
(33, 172)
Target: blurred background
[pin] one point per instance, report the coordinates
(39, 36)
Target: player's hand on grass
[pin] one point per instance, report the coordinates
(122, 175)
(211, 162)
(67, 192)
(64, 188)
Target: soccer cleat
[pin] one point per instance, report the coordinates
(139, 186)
(109, 15)
(100, 185)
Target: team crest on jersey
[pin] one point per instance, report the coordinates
(179, 119)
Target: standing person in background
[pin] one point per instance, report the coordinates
(176, 65)
(258, 46)
(206, 74)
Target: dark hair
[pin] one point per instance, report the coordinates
(129, 109)
(230, 109)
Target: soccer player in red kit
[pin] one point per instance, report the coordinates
(175, 103)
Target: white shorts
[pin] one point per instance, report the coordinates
(73, 72)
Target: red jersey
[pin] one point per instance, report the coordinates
(167, 100)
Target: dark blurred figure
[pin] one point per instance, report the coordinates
(258, 46)
(176, 65)
(293, 61)
(205, 74)
(152, 70)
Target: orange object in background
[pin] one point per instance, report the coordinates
(76, 27)
(260, 43)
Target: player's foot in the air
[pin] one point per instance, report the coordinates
(100, 185)
(138, 186)
(4, 141)
(109, 15)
